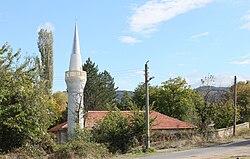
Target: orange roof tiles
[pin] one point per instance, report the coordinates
(162, 122)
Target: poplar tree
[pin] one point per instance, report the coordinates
(45, 46)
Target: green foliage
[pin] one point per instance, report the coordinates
(140, 95)
(80, 147)
(120, 132)
(212, 106)
(25, 111)
(60, 100)
(223, 116)
(243, 101)
(204, 106)
(114, 131)
(45, 46)
(107, 90)
(100, 91)
(81, 134)
(126, 102)
(173, 98)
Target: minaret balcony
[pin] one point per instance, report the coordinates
(75, 73)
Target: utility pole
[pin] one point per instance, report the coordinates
(235, 109)
(147, 106)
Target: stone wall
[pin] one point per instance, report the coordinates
(226, 132)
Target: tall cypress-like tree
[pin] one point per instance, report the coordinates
(107, 90)
(91, 87)
(100, 88)
(45, 46)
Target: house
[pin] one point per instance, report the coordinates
(161, 123)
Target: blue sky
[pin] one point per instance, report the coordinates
(187, 38)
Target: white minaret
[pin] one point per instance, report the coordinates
(75, 79)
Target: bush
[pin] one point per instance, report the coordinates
(119, 132)
(80, 146)
(114, 132)
(32, 149)
(80, 149)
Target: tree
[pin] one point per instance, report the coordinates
(203, 104)
(126, 102)
(25, 111)
(45, 45)
(140, 95)
(213, 106)
(107, 91)
(114, 132)
(172, 98)
(100, 91)
(175, 99)
(223, 116)
(120, 132)
(61, 100)
(243, 101)
(92, 84)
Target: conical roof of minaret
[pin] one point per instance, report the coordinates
(75, 60)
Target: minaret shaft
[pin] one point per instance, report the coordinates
(75, 79)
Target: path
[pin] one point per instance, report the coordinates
(238, 148)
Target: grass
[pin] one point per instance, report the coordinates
(187, 143)
(171, 145)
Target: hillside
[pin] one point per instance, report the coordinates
(120, 93)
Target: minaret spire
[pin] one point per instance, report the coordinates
(76, 46)
(76, 59)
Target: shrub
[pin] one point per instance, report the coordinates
(80, 146)
(80, 149)
(121, 132)
(114, 132)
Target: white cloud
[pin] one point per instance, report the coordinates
(182, 65)
(129, 39)
(179, 53)
(245, 62)
(145, 18)
(199, 35)
(48, 26)
(242, 60)
(245, 56)
(245, 26)
(246, 18)
(227, 79)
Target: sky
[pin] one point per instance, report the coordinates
(186, 38)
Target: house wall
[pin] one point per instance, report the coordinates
(170, 134)
(61, 136)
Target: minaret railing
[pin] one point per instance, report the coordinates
(75, 73)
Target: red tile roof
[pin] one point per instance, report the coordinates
(61, 126)
(162, 122)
